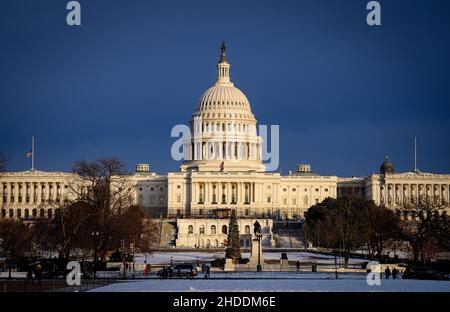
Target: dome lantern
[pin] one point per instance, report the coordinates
(223, 68)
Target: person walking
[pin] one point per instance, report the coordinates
(298, 265)
(29, 275)
(394, 273)
(38, 273)
(387, 273)
(207, 272)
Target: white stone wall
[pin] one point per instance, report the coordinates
(212, 233)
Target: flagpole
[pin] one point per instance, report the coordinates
(415, 154)
(32, 153)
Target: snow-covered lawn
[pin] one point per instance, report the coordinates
(283, 282)
(165, 257)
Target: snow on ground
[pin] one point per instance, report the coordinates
(306, 283)
(165, 257)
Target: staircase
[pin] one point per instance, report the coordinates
(167, 233)
(288, 234)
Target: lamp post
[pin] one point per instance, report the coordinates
(258, 233)
(259, 268)
(95, 236)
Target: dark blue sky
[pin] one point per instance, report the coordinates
(344, 94)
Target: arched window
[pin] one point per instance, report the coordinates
(34, 213)
(190, 229)
(11, 213)
(216, 243)
(224, 229)
(49, 213)
(247, 229)
(201, 229)
(213, 229)
(27, 214)
(305, 200)
(19, 213)
(41, 213)
(3, 213)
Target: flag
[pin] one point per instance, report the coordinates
(30, 153)
(221, 166)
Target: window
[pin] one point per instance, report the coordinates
(269, 199)
(317, 189)
(178, 186)
(201, 230)
(306, 190)
(247, 229)
(294, 201)
(326, 190)
(294, 189)
(213, 229)
(190, 229)
(178, 199)
(224, 229)
(317, 200)
(305, 200)
(284, 190)
(152, 189)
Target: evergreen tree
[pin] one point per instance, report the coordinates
(233, 250)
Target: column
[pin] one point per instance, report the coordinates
(32, 193)
(8, 193)
(16, 193)
(55, 193)
(39, 193)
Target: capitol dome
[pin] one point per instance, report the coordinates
(223, 128)
(223, 99)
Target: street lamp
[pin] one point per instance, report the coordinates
(259, 236)
(258, 233)
(95, 238)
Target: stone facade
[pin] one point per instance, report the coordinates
(213, 233)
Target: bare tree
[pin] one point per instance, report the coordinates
(380, 227)
(420, 226)
(15, 240)
(108, 193)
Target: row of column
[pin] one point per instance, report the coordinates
(231, 129)
(213, 192)
(402, 193)
(27, 213)
(31, 193)
(220, 150)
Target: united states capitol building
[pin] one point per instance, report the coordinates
(223, 170)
